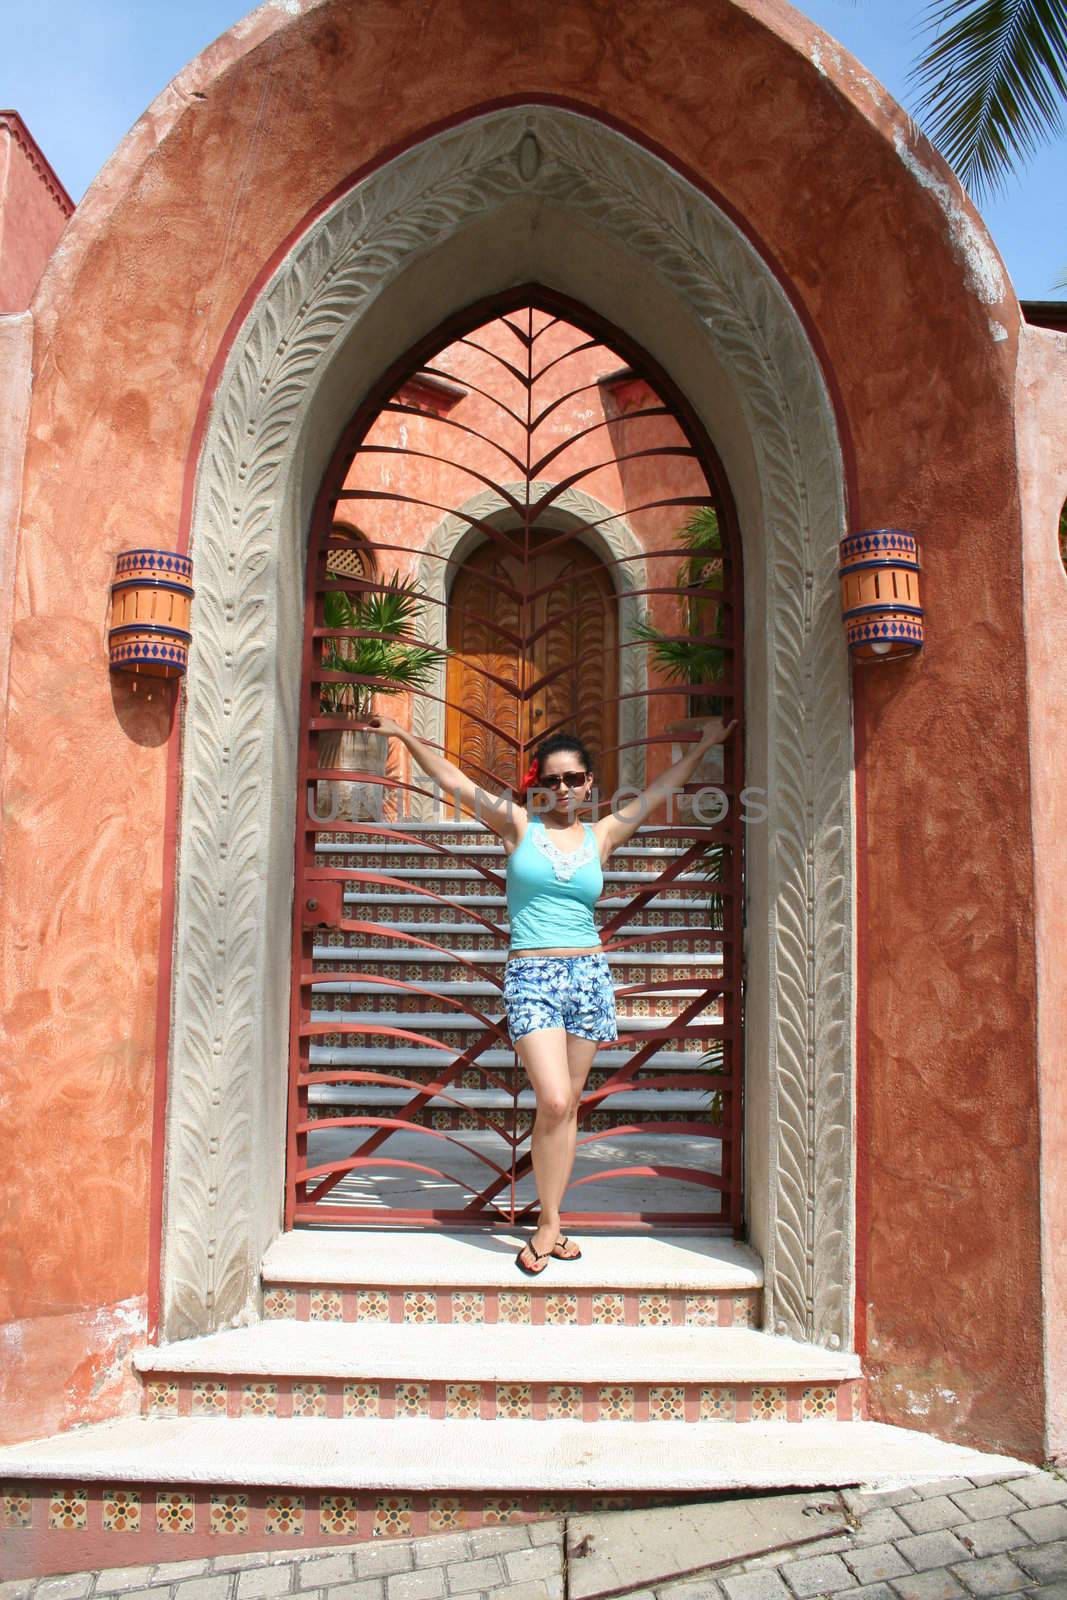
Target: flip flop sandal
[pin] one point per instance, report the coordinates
(542, 1255)
(565, 1250)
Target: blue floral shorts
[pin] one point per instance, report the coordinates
(571, 992)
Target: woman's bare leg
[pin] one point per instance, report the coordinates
(544, 1055)
(557, 1064)
(580, 1055)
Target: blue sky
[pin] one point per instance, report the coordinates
(82, 71)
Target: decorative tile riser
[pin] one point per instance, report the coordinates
(52, 1528)
(503, 1123)
(395, 866)
(538, 1307)
(473, 1401)
(510, 1082)
(431, 972)
(407, 911)
(413, 1004)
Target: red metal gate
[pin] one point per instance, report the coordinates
(521, 425)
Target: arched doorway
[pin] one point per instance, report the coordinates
(560, 647)
(407, 1103)
(604, 220)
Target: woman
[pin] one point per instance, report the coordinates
(558, 991)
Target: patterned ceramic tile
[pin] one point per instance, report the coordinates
(616, 1403)
(279, 1303)
(609, 1308)
(718, 1404)
(514, 1400)
(361, 1400)
(309, 1399)
(285, 1514)
(326, 1305)
(372, 1305)
(229, 1513)
(701, 1310)
(392, 1517)
(561, 1308)
(120, 1510)
(162, 1397)
(768, 1402)
(338, 1514)
(463, 1400)
(413, 1399)
(16, 1507)
(259, 1399)
(564, 1400)
(446, 1512)
(209, 1398)
(420, 1306)
(654, 1310)
(746, 1311)
(818, 1401)
(68, 1507)
(666, 1403)
(499, 1508)
(468, 1305)
(514, 1307)
(175, 1512)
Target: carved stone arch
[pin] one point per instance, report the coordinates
(527, 194)
(612, 538)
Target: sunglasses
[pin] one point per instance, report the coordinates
(573, 780)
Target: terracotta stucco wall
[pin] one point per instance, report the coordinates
(1043, 471)
(918, 331)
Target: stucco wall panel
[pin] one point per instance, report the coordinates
(1043, 480)
(132, 314)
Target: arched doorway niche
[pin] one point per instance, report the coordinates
(453, 540)
(543, 195)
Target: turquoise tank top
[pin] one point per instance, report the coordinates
(551, 892)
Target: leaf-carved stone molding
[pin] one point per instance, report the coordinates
(292, 378)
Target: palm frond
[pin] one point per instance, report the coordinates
(992, 81)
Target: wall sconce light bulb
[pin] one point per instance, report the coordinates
(881, 647)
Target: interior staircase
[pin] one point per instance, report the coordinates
(405, 1380)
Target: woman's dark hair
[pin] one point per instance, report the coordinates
(548, 747)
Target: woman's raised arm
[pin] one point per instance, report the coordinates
(620, 822)
(496, 810)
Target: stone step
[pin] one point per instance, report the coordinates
(678, 1262)
(647, 1101)
(470, 1350)
(472, 875)
(371, 892)
(472, 851)
(425, 1458)
(616, 959)
(467, 988)
(366, 1056)
(458, 1022)
(473, 1371)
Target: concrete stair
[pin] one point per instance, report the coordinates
(409, 1382)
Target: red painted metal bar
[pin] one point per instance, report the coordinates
(324, 954)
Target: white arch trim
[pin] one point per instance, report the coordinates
(528, 194)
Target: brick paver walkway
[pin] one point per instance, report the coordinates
(954, 1539)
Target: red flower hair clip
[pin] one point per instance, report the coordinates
(528, 777)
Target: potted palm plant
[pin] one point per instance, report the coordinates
(393, 656)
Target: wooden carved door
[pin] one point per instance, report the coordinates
(534, 652)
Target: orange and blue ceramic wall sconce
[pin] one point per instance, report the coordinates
(151, 601)
(879, 572)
